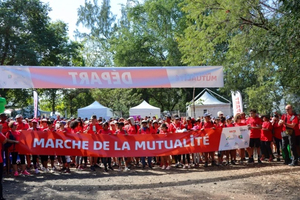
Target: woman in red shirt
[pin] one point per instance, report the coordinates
(106, 131)
(165, 160)
(3, 140)
(277, 134)
(14, 149)
(266, 138)
(240, 122)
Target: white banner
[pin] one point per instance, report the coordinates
(36, 103)
(234, 138)
(237, 102)
(111, 77)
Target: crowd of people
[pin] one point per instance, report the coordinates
(267, 133)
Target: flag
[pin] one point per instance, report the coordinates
(35, 102)
(237, 102)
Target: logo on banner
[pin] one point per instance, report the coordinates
(240, 136)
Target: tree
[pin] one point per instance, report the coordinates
(119, 100)
(254, 41)
(100, 21)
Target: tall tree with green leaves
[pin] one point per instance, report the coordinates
(254, 41)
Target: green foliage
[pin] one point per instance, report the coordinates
(256, 42)
(119, 100)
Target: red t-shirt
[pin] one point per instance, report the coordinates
(22, 126)
(277, 131)
(105, 132)
(206, 125)
(239, 124)
(266, 135)
(5, 127)
(293, 121)
(64, 131)
(90, 131)
(230, 125)
(173, 127)
(121, 132)
(153, 130)
(16, 134)
(132, 129)
(2, 139)
(144, 130)
(254, 122)
(78, 129)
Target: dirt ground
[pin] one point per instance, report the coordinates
(253, 181)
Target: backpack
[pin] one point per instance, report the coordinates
(11, 137)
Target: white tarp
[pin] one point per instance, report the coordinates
(95, 109)
(208, 104)
(144, 109)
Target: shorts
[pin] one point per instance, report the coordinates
(254, 142)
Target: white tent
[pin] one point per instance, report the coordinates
(207, 103)
(144, 109)
(95, 109)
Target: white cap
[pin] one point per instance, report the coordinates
(220, 113)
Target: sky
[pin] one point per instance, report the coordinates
(66, 11)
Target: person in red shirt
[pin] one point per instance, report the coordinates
(175, 126)
(277, 134)
(206, 124)
(238, 122)
(107, 160)
(254, 124)
(44, 158)
(154, 128)
(131, 128)
(14, 149)
(165, 160)
(21, 125)
(93, 128)
(4, 123)
(3, 140)
(35, 157)
(122, 131)
(290, 126)
(145, 130)
(266, 138)
(43, 124)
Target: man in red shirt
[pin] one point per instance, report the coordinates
(21, 124)
(205, 125)
(290, 127)
(254, 123)
(4, 123)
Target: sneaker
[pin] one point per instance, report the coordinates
(169, 167)
(126, 169)
(293, 164)
(232, 162)
(250, 160)
(16, 173)
(278, 159)
(37, 171)
(47, 170)
(163, 167)
(270, 159)
(120, 169)
(189, 166)
(183, 167)
(25, 172)
(259, 161)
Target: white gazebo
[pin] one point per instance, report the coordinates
(95, 109)
(206, 102)
(144, 109)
